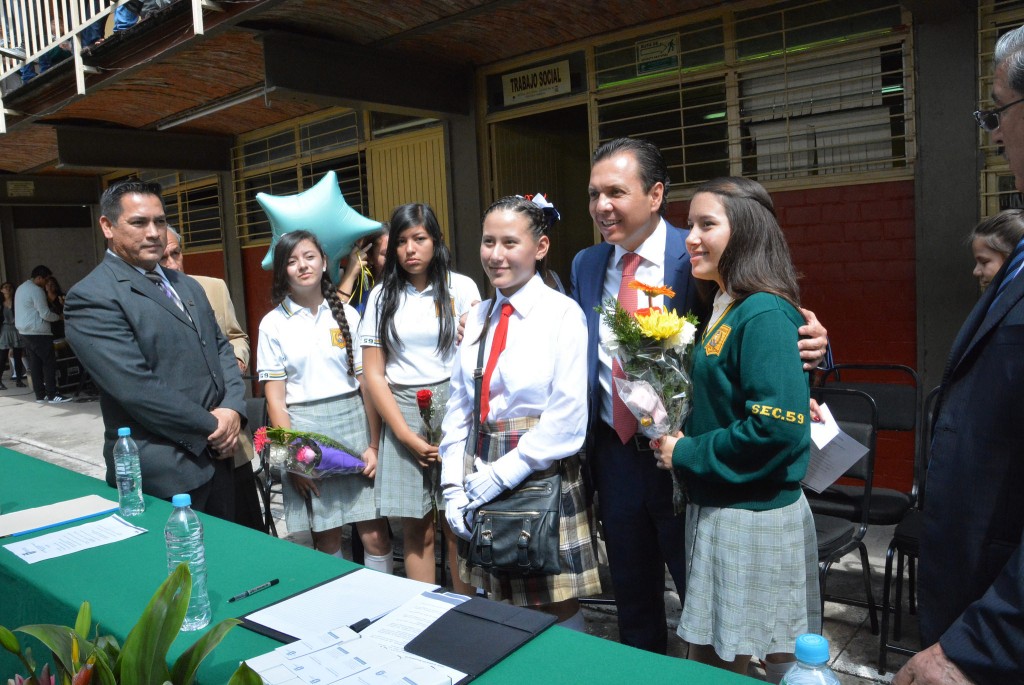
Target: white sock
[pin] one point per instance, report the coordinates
(384, 563)
(773, 672)
(338, 554)
(575, 622)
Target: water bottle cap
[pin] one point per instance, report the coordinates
(812, 649)
(182, 500)
(124, 432)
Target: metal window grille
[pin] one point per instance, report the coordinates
(291, 160)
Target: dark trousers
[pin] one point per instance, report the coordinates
(42, 364)
(642, 535)
(248, 508)
(216, 496)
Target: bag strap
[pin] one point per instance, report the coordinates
(478, 381)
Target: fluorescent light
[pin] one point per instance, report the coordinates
(211, 107)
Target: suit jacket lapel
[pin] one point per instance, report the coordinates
(677, 268)
(981, 321)
(144, 287)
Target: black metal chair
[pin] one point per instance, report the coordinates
(906, 547)
(256, 412)
(898, 402)
(857, 415)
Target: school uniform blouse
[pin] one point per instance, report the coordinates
(306, 349)
(541, 372)
(416, 360)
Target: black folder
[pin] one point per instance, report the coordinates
(477, 634)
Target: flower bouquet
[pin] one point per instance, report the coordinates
(430, 411)
(307, 454)
(653, 347)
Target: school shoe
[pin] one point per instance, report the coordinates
(2, 386)
(58, 399)
(42, 400)
(20, 384)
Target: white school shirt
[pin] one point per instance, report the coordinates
(306, 349)
(541, 372)
(416, 360)
(650, 271)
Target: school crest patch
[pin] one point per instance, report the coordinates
(717, 342)
(337, 339)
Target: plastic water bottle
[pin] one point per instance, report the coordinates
(129, 474)
(811, 667)
(184, 536)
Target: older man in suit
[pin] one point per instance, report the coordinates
(971, 582)
(151, 342)
(628, 185)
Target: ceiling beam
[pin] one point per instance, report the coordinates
(88, 146)
(358, 76)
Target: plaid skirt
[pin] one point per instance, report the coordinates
(751, 579)
(579, 576)
(343, 499)
(406, 488)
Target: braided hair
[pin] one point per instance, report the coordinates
(280, 288)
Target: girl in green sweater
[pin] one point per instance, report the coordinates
(751, 550)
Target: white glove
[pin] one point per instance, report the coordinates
(454, 511)
(483, 486)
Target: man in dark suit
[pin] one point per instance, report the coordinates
(628, 185)
(150, 341)
(971, 581)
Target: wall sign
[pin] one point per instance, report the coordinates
(657, 54)
(536, 83)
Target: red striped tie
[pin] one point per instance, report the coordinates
(622, 419)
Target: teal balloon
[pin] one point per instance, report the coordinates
(322, 211)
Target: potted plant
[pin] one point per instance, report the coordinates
(79, 660)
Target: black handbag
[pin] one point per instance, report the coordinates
(517, 531)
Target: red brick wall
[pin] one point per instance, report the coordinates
(257, 297)
(854, 246)
(206, 264)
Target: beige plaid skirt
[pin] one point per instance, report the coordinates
(579, 576)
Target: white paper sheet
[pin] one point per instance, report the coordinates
(104, 532)
(822, 432)
(362, 594)
(399, 627)
(832, 461)
(40, 518)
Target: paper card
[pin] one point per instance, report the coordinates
(84, 536)
(828, 464)
(59, 513)
(318, 642)
(822, 432)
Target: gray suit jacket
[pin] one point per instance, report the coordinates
(159, 372)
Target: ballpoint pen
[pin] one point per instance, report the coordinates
(253, 591)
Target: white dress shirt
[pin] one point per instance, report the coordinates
(541, 372)
(651, 271)
(307, 350)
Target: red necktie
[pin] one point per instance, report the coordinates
(497, 345)
(622, 419)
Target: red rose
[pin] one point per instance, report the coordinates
(423, 398)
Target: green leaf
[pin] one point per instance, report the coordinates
(144, 655)
(9, 641)
(184, 670)
(56, 638)
(83, 621)
(245, 676)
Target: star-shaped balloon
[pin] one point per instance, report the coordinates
(322, 211)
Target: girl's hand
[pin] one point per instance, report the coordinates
(816, 416)
(425, 453)
(663, 450)
(306, 486)
(370, 458)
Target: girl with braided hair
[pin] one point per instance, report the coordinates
(311, 374)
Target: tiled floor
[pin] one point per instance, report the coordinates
(71, 435)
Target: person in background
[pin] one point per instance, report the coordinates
(992, 241)
(33, 318)
(150, 341)
(752, 553)
(55, 299)
(408, 337)
(363, 270)
(10, 340)
(311, 375)
(248, 511)
(971, 572)
(534, 416)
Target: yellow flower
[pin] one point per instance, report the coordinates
(659, 324)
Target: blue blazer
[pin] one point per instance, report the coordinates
(587, 282)
(971, 587)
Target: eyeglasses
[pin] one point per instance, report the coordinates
(988, 119)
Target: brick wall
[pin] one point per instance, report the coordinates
(854, 246)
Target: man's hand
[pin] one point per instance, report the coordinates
(225, 438)
(241, 366)
(462, 324)
(931, 667)
(814, 340)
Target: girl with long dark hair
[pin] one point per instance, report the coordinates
(311, 374)
(752, 555)
(408, 335)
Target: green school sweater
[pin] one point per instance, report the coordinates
(748, 437)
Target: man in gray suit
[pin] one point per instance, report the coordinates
(150, 341)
